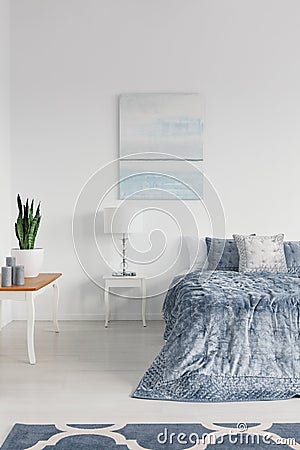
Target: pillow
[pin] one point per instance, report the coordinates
(261, 253)
(197, 252)
(292, 256)
(222, 254)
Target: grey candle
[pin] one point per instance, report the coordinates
(13, 275)
(18, 275)
(10, 261)
(6, 276)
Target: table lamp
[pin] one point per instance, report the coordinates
(122, 221)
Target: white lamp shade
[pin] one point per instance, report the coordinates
(122, 219)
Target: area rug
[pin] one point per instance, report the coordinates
(154, 436)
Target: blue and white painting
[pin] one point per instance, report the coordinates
(159, 135)
(163, 180)
(169, 124)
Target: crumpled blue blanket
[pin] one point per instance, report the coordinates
(231, 336)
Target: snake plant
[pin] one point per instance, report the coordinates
(27, 224)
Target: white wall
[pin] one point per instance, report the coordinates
(71, 59)
(5, 180)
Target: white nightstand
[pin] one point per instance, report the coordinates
(127, 282)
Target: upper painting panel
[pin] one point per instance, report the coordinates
(161, 126)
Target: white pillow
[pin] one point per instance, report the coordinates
(197, 252)
(261, 253)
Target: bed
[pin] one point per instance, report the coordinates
(229, 336)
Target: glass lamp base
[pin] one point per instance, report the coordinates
(126, 274)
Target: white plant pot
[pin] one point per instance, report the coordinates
(32, 260)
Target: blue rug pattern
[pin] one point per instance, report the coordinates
(154, 436)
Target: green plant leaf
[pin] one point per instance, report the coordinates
(17, 234)
(20, 207)
(31, 211)
(35, 228)
(20, 232)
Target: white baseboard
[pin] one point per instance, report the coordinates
(100, 317)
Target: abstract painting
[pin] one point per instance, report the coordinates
(154, 129)
(166, 180)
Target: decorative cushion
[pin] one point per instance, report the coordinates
(261, 253)
(292, 256)
(196, 248)
(222, 254)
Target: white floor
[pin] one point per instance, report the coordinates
(86, 374)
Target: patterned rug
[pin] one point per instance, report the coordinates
(154, 436)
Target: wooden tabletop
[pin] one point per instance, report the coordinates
(34, 284)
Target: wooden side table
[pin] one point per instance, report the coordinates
(27, 293)
(127, 282)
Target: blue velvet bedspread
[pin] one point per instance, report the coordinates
(229, 337)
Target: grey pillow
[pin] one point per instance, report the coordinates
(261, 253)
(292, 256)
(222, 254)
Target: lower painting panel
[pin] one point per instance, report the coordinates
(161, 180)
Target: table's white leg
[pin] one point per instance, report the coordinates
(144, 299)
(0, 315)
(55, 306)
(106, 300)
(30, 326)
